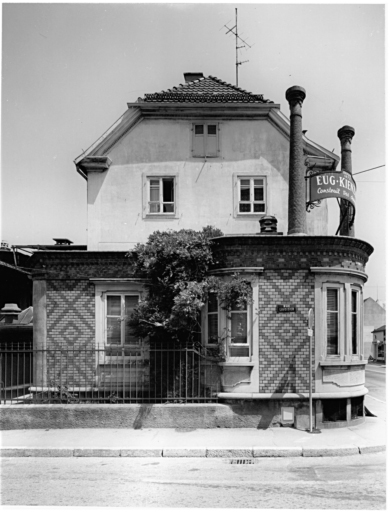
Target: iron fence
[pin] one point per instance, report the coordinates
(142, 374)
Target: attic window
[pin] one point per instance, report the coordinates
(205, 140)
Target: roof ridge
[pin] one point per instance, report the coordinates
(207, 89)
(230, 85)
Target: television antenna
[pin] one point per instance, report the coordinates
(234, 31)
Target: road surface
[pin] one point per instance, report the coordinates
(343, 483)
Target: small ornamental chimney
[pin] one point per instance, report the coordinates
(11, 312)
(269, 225)
(190, 77)
(296, 186)
(345, 134)
(62, 241)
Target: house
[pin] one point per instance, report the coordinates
(379, 343)
(206, 152)
(374, 317)
(16, 286)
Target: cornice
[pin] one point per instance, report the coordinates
(201, 110)
(297, 243)
(339, 270)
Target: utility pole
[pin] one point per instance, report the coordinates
(234, 31)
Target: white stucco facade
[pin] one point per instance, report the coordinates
(205, 188)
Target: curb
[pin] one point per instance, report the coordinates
(227, 453)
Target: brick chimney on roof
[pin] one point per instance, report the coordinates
(345, 134)
(190, 77)
(297, 185)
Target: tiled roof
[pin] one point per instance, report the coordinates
(205, 90)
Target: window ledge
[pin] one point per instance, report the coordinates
(241, 363)
(161, 215)
(343, 363)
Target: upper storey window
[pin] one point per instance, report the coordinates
(161, 195)
(205, 140)
(251, 195)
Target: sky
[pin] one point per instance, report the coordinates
(69, 70)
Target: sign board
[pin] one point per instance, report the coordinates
(281, 308)
(310, 319)
(332, 184)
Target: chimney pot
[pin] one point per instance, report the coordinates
(296, 184)
(11, 312)
(345, 134)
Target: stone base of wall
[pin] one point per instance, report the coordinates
(238, 414)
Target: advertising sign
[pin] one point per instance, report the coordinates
(333, 184)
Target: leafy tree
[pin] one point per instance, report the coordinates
(176, 264)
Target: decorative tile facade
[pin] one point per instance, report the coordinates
(283, 340)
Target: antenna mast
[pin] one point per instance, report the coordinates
(234, 31)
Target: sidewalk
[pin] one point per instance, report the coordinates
(368, 437)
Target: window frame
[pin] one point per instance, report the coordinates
(237, 177)
(340, 316)
(225, 332)
(126, 352)
(359, 321)
(231, 344)
(346, 288)
(206, 325)
(252, 200)
(205, 137)
(161, 201)
(104, 288)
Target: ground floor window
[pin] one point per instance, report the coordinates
(230, 330)
(118, 309)
(342, 320)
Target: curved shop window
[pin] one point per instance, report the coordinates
(339, 308)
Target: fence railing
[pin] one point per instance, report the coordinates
(121, 374)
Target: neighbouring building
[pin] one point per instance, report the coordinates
(208, 153)
(379, 343)
(374, 317)
(16, 284)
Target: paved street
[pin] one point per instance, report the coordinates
(376, 381)
(352, 482)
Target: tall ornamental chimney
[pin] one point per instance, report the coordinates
(297, 185)
(345, 134)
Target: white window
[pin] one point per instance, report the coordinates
(205, 140)
(238, 332)
(342, 324)
(231, 329)
(161, 195)
(332, 321)
(212, 320)
(117, 332)
(354, 322)
(251, 195)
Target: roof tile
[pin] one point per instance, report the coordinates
(205, 90)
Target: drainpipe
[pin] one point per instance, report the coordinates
(297, 185)
(345, 134)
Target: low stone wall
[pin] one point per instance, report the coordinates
(241, 414)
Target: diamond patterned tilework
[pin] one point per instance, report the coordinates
(284, 344)
(70, 326)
